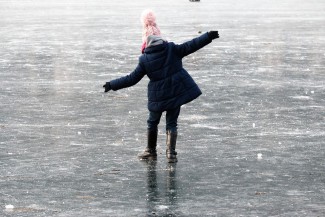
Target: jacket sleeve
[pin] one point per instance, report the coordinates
(193, 45)
(128, 80)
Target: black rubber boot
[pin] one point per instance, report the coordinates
(150, 153)
(171, 145)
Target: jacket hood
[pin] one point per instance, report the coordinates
(154, 40)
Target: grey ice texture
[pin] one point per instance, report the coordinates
(251, 145)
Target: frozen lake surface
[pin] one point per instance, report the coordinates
(251, 145)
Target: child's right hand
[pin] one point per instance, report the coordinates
(107, 87)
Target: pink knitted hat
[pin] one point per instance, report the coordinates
(150, 27)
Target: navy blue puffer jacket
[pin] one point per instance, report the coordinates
(170, 84)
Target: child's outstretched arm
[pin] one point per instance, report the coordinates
(196, 43)
(126, 81)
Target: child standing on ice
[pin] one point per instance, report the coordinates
(170, 85)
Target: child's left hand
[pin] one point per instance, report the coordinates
(213, 34)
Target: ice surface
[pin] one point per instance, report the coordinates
(68, 149)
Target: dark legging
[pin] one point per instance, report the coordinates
(171, 120)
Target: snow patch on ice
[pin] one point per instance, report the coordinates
(9, 207)
(295, 193)
(205, 126)
(259, 156)
(162, 207)
(78, 144)
(301, 97)
(194, 117)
